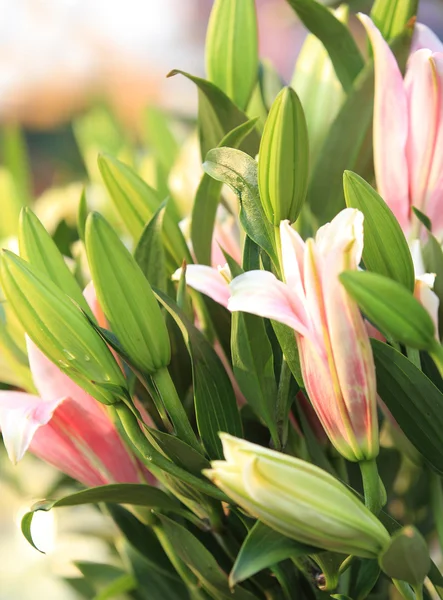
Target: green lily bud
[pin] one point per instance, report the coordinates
(297, 499)
(39, 249)
(283, 160)
(60, 329)
(126, 297)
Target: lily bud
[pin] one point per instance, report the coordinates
(297, 499)
(283, 160)
(126, 297)
(60, 329)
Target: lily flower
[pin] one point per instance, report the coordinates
(335, 353)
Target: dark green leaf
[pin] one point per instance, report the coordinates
(367, 577)
(262, 548)
(391, 307)
(239, 172)
(407, 557)
(386, 250)
(414, 401)
(207, 199)
(179, 452)
(391, 16)
(217, 116)
(335, 36)
(253, 364)
(424, 219)
(433, 259)
(149, 252)
(215, 403)
(286, 339)
(201, 562)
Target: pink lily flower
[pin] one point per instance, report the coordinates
(335, 353)
(65, 427)
(408, 128)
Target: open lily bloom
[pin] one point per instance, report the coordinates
(408, 128)
(335, 353)
(65, 427)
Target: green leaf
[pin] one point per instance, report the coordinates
(215, 403)
(283, 160)
(351, 151)
(367, 577)
(239, 172)
(16, 160)
(263, 548)
(179, 452)
(149, 252)
(286, 339)
(137, 203)
(207, 198)
(160, 137)
(407, 557)
(391, 16)
(120, 585)
(433, 259)
(201, 562)
(124, 493)
(232, 48)
(336, 37)
(385, 250)
(414, 401)
(217, 116)
(391, 307)
(424, 219)
(82, 215)
(253, 364)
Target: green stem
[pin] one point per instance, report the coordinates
(436, 494)
(418, 589)
(282, 405)
(166, 390)
(371, 485)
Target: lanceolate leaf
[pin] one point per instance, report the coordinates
(217, 116)
(239, 171)
(207, 199)
(385, 250)
(414, 401)
(149, 252)
(263, 548)
(336, 37)
(215, 404)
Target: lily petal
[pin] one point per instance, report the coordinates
(208, 281)
(261, 293)
(390, 127)
(21, 415)
(425, 38)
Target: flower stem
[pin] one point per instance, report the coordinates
(371, 485)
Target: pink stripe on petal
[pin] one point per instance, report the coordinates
(390, 127)
(21, 415)
(261, 293)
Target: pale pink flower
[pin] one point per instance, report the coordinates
(335, 353)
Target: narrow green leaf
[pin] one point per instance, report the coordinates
(352, 151)
(232, 48)
(391, 16)
(217, 116)
(424, 219)
(149, 252)
(82, 215)
(120, 585)
(286, 339)
(433, 259)
(407, 557)
(239, 171)
(201, 562)
(385, 250)
(367, 577)
(414, 401)
(207, 198)
(16, 159)
(263, 548)
(336, 37)
(391, 307)
(160, 137)
(215, 403)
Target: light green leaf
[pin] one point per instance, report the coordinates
(391, 16)
(149, 252)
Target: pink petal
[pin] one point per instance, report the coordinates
(425, 38)
(207, 280)
(390, 127)
(423, 292)
(423, 101)
(91, 299)
(343, 233)
(227, 237)
(21, 415)
(261, 293)
(292, 250)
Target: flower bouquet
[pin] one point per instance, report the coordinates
(241, 365)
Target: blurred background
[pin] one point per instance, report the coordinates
(78, 77)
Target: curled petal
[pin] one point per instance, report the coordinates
(21, 415)
(208, 281)
(390, 127)
(261, 293)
